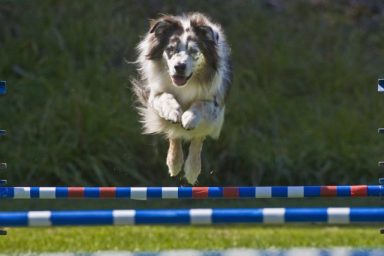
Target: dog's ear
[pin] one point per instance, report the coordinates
(160, 26)
(208, 33)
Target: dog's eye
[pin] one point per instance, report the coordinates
(193, 51)
(171, 49)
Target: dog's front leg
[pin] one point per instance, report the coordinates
(166, 106)
(175, 157)
(207, 110)
(192, 166)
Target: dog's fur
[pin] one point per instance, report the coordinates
(184, 78)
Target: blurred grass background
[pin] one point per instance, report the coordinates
(303, 108)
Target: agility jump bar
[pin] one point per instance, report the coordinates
(144, 193)
(380, 85)
(3, 87)
(193, 216)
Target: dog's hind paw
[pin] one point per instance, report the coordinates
(192, 170)
(191, 177)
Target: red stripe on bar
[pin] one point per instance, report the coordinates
(231, 192)
(108, 192)
(200, 192)
(328, 191)
(76, 192)
(360, 190)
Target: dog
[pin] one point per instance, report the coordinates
(184, 77)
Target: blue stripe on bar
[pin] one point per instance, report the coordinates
(154, 192)
(68, 218)
(343, 191)
(279, 191)
(3, 87)
(10, 219)
(237, 216)
(122, 192)
(312, 191)
(162, 217)
(35, 192)
(367, 215)
(215, 192)
(374, 190)
(306, 215)
(7, 192)
(247, 192)
(185, 192)
(91, 192)
(61, 192)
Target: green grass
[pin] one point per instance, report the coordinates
(303, 107)
(145, 238)
(303, 110)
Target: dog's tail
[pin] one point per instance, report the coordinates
(141, 92)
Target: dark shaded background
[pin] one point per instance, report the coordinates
(303, 108)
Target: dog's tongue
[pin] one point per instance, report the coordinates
(179, 80)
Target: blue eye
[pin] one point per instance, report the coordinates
(193, 51)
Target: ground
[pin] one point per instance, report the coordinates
(159, 238)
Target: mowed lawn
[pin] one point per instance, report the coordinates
(156, 238)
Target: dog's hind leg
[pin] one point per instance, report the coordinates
(175, 157)
(192, 166)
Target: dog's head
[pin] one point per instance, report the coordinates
(187, 44)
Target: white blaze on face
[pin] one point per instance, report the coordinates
(182, 56)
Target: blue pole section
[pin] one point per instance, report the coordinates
(329, 215)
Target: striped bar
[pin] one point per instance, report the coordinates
(3, 87)
(193, 216)
(144, 193)
(380, 85)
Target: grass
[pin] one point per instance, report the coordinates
(303, 107)
(303, 110)
(145, 238)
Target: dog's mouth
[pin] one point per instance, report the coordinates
(180, 80)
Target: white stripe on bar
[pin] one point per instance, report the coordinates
(304, 251)
(170, 193)
(338, 215)
(123, 217)
(178, 253)
(139, 193)
(296, 191)
(379, 88)
(243, 252)
(263, 192)
(22, 192)
(201, 216)
(47, 192)
(273, 215)
(39, 218)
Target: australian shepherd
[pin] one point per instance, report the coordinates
(184, 76)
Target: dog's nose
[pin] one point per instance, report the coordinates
(180, 68)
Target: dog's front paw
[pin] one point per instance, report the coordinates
(168, 108)
(190, 120)
(173, 115)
